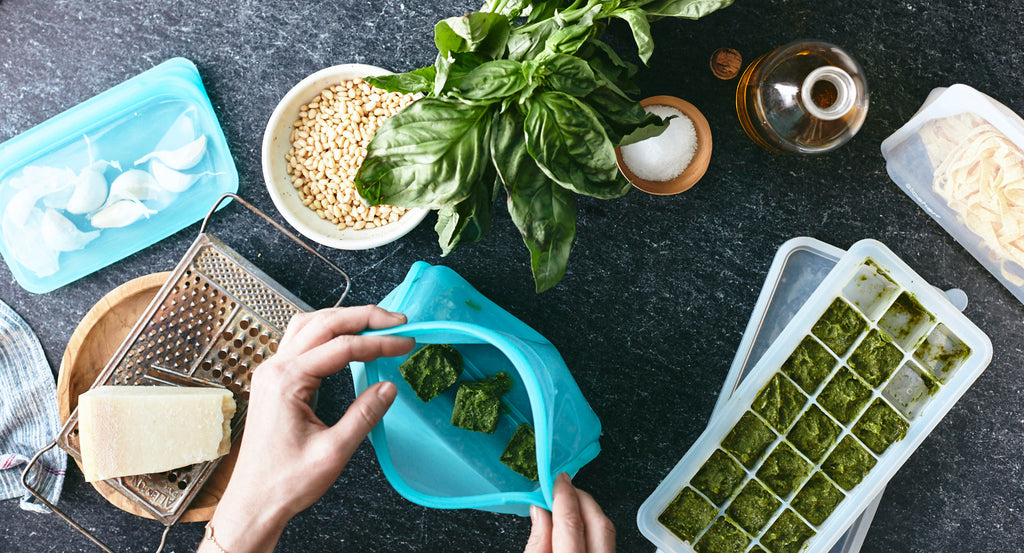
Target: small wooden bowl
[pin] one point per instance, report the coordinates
(698, 165)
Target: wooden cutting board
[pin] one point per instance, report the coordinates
(91, 346)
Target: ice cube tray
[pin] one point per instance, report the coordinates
(940, 354)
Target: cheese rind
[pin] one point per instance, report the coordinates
(126, 430)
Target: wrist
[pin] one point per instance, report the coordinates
(240, 526)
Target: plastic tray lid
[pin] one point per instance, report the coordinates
(161, 109)
(948, 323)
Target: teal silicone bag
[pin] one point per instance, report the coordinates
(435, 464)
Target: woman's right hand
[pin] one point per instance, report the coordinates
(576, 524)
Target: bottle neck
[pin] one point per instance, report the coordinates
(828, 93)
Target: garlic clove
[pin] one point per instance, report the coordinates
(25, 243)
(90, 189)
(184, 158)
(120, 213)
(20, 205)
(61, 235)
(171, 180)
(133, 184)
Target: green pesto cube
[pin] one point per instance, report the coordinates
(520, 454)
(880, 426)
(748, 439)
(809, 364)
(719, 477)
(848, 463)
(844, 396)
(687, 515)
(478, 404)
(723, 537)
(814, 433)
(753, 507)
(817, 499)
(839, 327)
(784, 470)
(787, 534)
(875, 358)
(779, 402)
(432, 370)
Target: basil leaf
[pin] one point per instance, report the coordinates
(544, 212)
(419, 80)
(687, 9)
(469, 220)
(481, 32)
(641, 28)
(570, 75)
(428, 155)
(569, 144)
(608, 67)
(568, 40)
(526, 42)
(491, 80)
(624, 120)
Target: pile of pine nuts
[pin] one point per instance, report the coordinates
(329, 142)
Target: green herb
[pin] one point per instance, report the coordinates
(753, 507)
(520, 454)
(784, 470)
(478, 404)
(534, 105)
(432, 370)
(748, 439)
(817, 499)
(787, 534)
(718, 477)
(723, 537)
(687, 515)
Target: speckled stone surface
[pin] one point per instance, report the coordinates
(658, 290)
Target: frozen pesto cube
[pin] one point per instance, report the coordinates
(787, 534)
(880, 427)
(753, 507)
(478, 404)
(809, 364)
(748, 439)
(687, 515)
(520, 454)
(719, 477)
(848, 463)
(432, 370)
(723, 537)
(784, 470)
(814, 433)
(817, 499)
(839, 327)
(779, 402)
(844, 396)
(875, 358)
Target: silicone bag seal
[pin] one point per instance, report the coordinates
(434, 464)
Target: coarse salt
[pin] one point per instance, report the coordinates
(666, 156)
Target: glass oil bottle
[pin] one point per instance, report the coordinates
(806, 97)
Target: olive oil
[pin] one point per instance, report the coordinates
(806, 97)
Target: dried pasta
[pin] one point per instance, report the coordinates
(979, 172)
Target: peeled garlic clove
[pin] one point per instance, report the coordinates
(90, 189)
(185, 157)
(133, 184)
(61, 235)
(120, 213)
(171, 180)
(25, 243)
(21, 203)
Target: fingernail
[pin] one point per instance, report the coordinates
(564, 477)
(386, 391)
(399, 316)
(534, 512)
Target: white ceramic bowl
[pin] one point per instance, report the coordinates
(276, 143)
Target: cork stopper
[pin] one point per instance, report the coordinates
(726, 63)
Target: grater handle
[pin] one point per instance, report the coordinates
(286, 232)
(67, 518)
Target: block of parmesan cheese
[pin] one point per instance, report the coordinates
(126, 430)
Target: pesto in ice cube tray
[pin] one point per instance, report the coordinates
(848, 391)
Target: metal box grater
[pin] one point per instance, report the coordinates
(211, 324)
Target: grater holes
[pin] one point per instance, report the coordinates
(227, 334)
(264, 338)
(272, 346)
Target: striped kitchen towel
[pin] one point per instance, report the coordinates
(28, 415)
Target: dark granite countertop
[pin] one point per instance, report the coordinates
(658, 289)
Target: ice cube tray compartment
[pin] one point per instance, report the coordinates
(860, 376)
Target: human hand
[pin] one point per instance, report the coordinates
(576, 524)
(289, 457)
